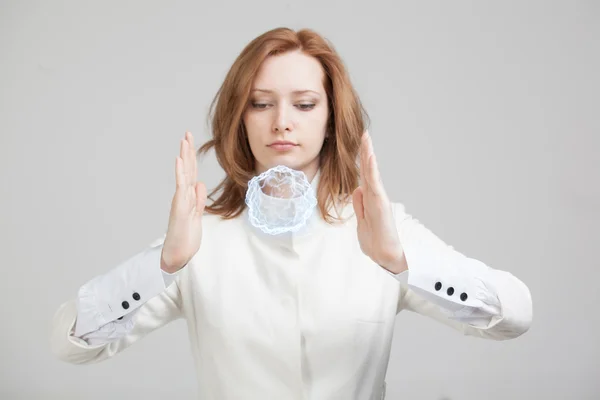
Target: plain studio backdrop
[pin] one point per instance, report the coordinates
(484, 120)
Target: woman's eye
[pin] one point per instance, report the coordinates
(259, 105)
(304, 107)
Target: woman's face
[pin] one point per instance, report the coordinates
(286, 117)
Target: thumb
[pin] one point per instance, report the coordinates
(200, 197)
(357, 203)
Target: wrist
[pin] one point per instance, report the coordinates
(398, 264)
(165, 266)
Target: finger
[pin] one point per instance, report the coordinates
(357, 203)
(194, 161)
(373, 172)
(375, 176)
(363, 160)
(179, 173)
(189, 158)
(191, 155)
(185, 156)
(374, 179)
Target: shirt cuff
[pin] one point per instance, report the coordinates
(122, 290)
(462, 287)
(111, 331)
(169, 278)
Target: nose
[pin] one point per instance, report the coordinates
(282, 122)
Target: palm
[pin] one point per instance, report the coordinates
(376, 229)
(184, 233)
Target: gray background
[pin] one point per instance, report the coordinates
(483, 120)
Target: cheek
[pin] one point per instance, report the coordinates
(254, 127)
(319, 117)
(255, 119)
(261, 119)
(317, 123)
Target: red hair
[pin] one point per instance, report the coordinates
(346, 123)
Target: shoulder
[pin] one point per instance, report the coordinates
(215, 219)
(217, 224)
(345, 210)
(398, 209)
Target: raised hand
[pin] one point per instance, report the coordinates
(184, 232)
(377, 233)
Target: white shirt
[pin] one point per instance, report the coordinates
(294, 316)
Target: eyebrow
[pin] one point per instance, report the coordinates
(294, 92)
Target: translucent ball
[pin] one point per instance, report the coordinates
(280, 200)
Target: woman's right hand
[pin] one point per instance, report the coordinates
(184, 232)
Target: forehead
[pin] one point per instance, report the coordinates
(290, 71)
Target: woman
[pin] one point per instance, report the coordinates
(306, 314)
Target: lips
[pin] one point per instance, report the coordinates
(282, 142)
(282, 145)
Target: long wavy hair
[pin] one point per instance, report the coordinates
(339, 172)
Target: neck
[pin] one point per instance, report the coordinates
(310, 170)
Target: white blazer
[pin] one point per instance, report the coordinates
(296, 316)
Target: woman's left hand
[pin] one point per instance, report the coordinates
(377, 233)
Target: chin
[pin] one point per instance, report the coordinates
(286, 161)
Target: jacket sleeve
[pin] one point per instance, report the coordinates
(115, 309)
(459, 291)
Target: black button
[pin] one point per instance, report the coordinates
(438, 285)
(125, 305)
(136, 296)
(120, 318)
(463, 296)
(450, 291)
